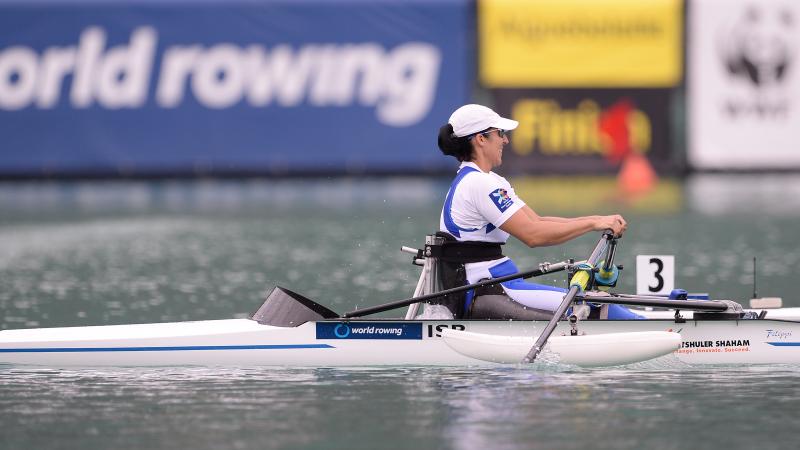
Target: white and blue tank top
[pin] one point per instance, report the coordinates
(477, 204)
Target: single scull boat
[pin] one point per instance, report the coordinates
(291, 330)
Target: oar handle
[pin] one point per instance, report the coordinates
(578, 283)
(543, 269)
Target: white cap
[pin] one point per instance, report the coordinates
(470, 119)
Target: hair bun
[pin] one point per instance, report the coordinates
(446, 142)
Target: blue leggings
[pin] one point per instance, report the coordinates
(541, 296)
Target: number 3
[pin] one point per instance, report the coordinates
(657, 274)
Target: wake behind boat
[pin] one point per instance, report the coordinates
(291, 330)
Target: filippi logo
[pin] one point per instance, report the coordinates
(399, 82)
(758, 52)
(778, 334)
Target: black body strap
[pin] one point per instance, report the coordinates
(465, 252)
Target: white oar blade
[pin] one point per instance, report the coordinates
(611, 349)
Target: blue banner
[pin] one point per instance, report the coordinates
(369, 330)
(146, 88)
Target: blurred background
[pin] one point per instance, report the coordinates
(172, 160)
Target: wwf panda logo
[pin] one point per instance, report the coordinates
(759, 48)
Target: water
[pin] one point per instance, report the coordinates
(110, 253)
(456, 408)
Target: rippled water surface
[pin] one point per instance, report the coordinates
(111, 253)
(400, 408)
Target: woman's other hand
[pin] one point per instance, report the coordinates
(614, 222)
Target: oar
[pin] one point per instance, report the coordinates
(578, 283)
(656, 302)
(548, 268)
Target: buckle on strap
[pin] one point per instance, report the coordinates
(465, 252)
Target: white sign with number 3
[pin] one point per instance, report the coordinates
(655, 274)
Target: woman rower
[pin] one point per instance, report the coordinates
(482, 210)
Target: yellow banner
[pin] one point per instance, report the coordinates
(580, 43)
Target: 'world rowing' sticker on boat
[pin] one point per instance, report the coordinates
(369, 330)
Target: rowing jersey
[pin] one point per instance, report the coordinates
(477, 204)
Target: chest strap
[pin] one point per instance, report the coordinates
(464, 252)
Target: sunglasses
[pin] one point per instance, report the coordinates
(500, 133)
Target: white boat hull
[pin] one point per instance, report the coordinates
(243, 342)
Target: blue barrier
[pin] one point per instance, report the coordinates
(182, 87)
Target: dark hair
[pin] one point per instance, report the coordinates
(452, 145)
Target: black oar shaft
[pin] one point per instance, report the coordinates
(691, 305)
(409, 301)
(562, 308)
